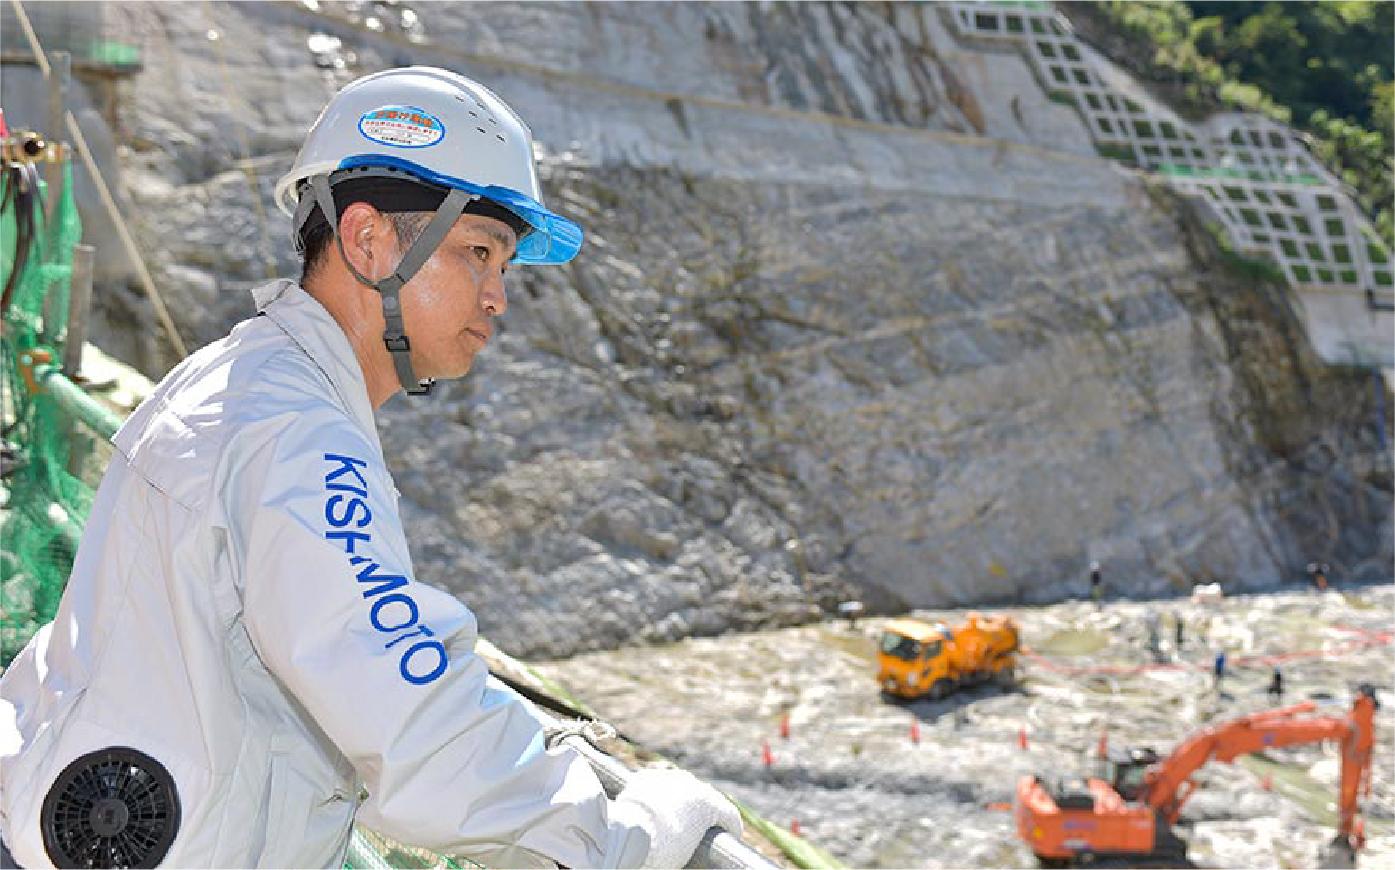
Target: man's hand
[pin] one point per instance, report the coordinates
(675, 808)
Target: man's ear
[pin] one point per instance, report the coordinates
(360, 229)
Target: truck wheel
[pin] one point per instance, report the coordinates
(1006, 676)
(940, 688)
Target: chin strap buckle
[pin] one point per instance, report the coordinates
(401, 349)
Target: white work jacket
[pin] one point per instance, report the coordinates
(243, 610)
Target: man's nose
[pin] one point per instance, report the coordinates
(494, 297)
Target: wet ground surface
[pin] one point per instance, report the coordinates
(878, 783)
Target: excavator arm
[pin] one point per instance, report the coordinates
(1357, 748)
(1167, 783)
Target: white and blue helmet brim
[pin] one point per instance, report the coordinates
(554, 239)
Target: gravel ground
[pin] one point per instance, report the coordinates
(856, 783)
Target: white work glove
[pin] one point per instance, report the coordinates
(675, 808)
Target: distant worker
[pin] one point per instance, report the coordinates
(1276, 686)
(1179, 625)
(1096, 582)
(244, 663)
(1152, 625)
(851, 610)
(1220, 667)
(1317, 571)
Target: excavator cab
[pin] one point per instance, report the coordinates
(1125, 770)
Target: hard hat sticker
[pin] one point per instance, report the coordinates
(401, 126)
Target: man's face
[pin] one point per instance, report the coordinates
(449, 305)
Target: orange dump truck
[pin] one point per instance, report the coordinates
(929, 659)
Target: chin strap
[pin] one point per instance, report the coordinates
(421, 249)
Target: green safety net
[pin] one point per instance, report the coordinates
(369, 850)
(1183, 171)
(43, 504)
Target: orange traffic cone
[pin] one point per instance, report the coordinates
(915, 731)
(785, 726)
(794, 827)
(765, 756)
(1022, 738)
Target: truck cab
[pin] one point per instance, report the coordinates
(913, 659)
(918, 658)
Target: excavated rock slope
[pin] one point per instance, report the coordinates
(860, 314)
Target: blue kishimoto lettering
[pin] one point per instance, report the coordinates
(421, 629)
(393, 610)
(350, 540)
(346, 516)
(430, 646)
(390, 581)
(347, 465)
(375, 614)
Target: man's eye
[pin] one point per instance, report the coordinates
(480, 251)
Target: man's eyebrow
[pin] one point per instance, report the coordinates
(506, 238)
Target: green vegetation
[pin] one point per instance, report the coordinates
(1322, 67)
(1122, 153)
(1251, 268)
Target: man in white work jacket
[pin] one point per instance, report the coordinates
(243, 663)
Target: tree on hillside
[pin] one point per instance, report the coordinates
(1324, 67)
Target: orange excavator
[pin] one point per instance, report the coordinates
(1127, 812)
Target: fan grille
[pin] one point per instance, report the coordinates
(116, 807)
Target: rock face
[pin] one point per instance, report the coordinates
(860, 314)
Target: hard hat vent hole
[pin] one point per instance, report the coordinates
(488, 117)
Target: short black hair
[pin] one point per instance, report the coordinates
(316, 238)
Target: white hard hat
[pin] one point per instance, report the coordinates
(439, 127)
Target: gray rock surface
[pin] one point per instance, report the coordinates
(860, 314)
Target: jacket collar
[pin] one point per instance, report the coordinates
(311, 327)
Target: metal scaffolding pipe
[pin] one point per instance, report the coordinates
(75, 402)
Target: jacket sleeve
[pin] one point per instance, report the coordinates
(386, 665)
